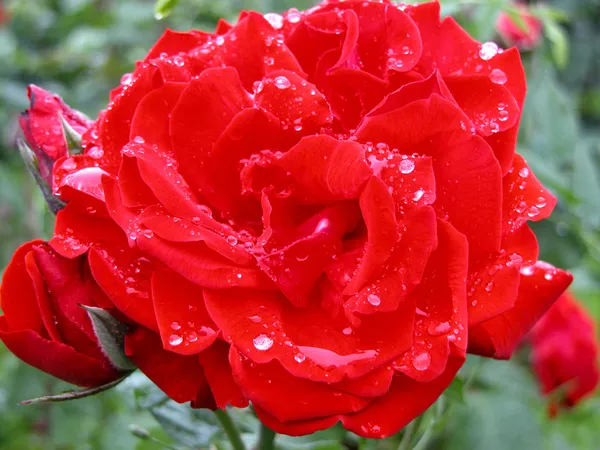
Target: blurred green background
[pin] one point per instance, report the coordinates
(80, 48)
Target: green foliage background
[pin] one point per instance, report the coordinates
(80, 49)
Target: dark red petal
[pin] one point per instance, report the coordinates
(174, 229)
(541, 284)
(524, 197)
(124, 275)
(441, 298)
(294, 428)
(55, 358)
(405, 401)
(374, 384)
(325, 169)
(523, 242)
(490, 106)
(194, 130)
(151, 118)
(75, 231)
(66, 290)
(134, 191)
(379, 213)
(307, 341)
(237, 142)
(174, 42)
(300, 107)
(404, 268)
(116, 124)
(215, 361)
(180, 377)
(199, 264)
(159, 170)
(183, 322)
(280, 393)
(255, 49)
(493, 287)
(17, 294)
(297, 267)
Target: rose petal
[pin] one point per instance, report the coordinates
(541, 284)
(180, 377)
(184, 325)
(278, 392)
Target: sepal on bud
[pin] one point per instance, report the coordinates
(72, 137)
(33, 165)
(111, 336)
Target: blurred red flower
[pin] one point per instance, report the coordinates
(513, 33)
(565, 353)
(316, 212)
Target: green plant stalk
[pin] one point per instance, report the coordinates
(230, 429)
(266, 438)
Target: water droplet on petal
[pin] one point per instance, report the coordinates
(373, 299)
(437, 329)
(488, 51)
(281, 82)
(275, 20)
(524, 172)
(406, 166)
(255, 319)
(421, 361)
(347, 331)
(262, 342)
(175, 326)
(299, 357)
(498, 76)
(175, 340)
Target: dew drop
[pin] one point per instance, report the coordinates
(255, 319)
(175, 340)
(282, 82)
(498, 76)
(439, 328)
(232, 240)
(421, 361)
(192, 337)
(488, 51)
(275, 20)
(347, 331)
(262, 342)
(406, 166)
(524, 172)
(299, 357)
(489, 286)
(175, 326)
(373, 299)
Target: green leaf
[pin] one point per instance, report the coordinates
(163, 8)
(455, 392)
(195, 428)
(494, 421)
(586, 182)
(111, 335)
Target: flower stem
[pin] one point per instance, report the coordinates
(266, 438)
(408, 434)
(230, 429)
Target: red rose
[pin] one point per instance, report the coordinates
(565, 352)
(514, 34)
(317, 212)
(43, 322)
(43, 130)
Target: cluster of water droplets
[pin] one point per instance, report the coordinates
(187, 332)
